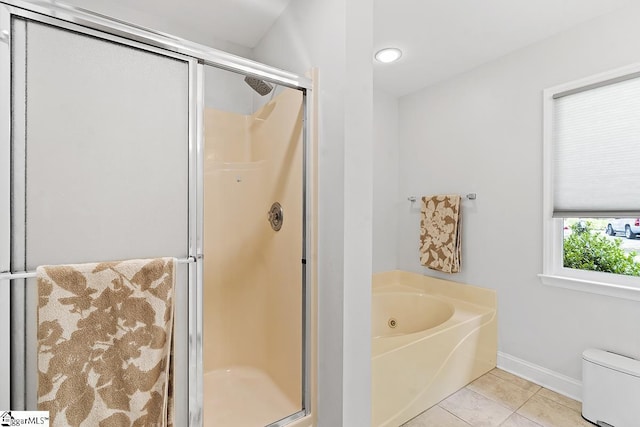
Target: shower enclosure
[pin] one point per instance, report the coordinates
(117, 142)
(253, 234)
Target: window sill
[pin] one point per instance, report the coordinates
(600, 288)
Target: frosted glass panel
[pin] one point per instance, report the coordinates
(596, 151)
(107, 150)
(100, 150)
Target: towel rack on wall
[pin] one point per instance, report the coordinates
(5, 275)
(469, 196)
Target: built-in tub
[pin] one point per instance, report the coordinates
(431, 337)
(397, 312)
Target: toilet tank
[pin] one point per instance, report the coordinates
(610, 389)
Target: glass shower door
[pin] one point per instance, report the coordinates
(253, 299)
(100, 169)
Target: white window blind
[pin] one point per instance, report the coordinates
(596, 151)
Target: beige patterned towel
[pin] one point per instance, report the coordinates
(440, 233)
(104, 341)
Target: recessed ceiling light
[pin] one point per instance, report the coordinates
(389, 54)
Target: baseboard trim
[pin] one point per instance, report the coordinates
(547, 378)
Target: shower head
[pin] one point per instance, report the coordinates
(260, 86)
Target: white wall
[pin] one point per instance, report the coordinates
(155, 22)
(482, 132)
(386, 198)
(336, 37)
(225, 90)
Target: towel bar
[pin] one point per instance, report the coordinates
(5, 275)
(469, 196)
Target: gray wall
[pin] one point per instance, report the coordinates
(482, 132)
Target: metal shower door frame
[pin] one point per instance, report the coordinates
(5, 196)
(9, 15)
(197, 56)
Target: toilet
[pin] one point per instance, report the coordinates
(610, 389)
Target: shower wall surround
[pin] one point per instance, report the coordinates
(253, 275)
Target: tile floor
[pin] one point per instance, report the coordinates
(499, 398)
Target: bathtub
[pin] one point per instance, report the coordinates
(430, 337)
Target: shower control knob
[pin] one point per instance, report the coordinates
(275, 216)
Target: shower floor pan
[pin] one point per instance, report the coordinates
(242, 396)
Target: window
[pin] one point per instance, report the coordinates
(591, 184)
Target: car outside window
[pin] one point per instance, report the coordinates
(609, 245)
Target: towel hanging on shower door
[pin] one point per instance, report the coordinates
(104, 343)
(440, 233)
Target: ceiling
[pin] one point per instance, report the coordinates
(439, 38)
